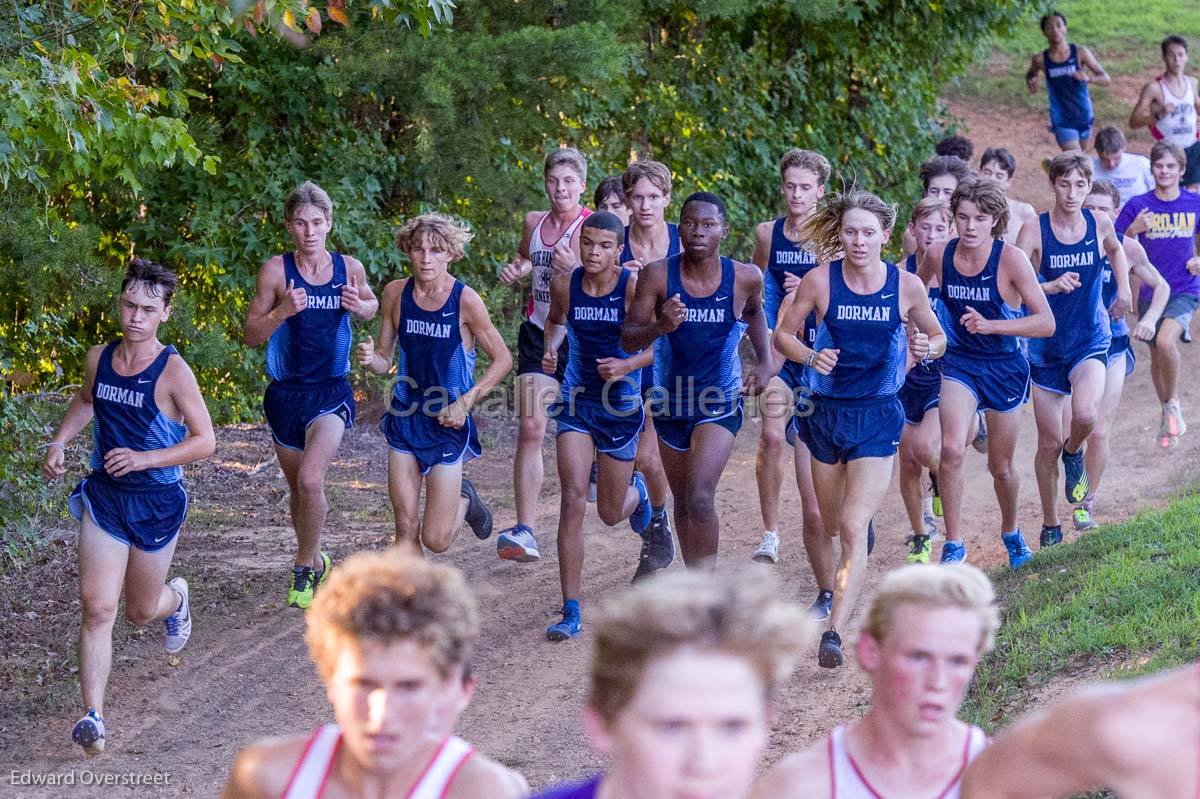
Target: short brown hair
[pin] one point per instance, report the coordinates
(808, 160)
(742, 615)
(443, 231)
(308, 193)
(1107, 188)
(988, 197)
(823, 229)
(1164, 148)
(1110, 141)
(928, 206)
(1064, 164)
(654, 171)
(160, 281)
(930, 587)
(392, 596)
(943, 165)
(570, 157)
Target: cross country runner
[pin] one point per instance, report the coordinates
(682, 684)
(600, 414)
(1137, 738)
(694, 308)
(302, 305)
(940, 175)
(854, 419)
(435, 323)
(1168, 105)
(1068, 246)
(610, 196)
(549, 245)
(1069, 69)
(926, 629)
(1129, 172)
(148, 420)
(984, 284)
(390, 635)
(999, 165)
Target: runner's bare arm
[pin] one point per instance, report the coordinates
(642, 322)
(762, 245)
(646, 356)
(520, 266)
(920, 314)
(79, 413)
(1144, 114)
(376, 355)
(791, 319)
(556, 321)
(1097, 74)
(1016, 276)
(1120, 267)
(802, 774)
(1140, 266)
(357, 297)
(1035, 66)
(273, 302)
(262, 770)
(749, 280)
(482, 776)
(487, 338)
(929, 266)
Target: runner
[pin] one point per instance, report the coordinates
(694, 307)
(682, 681)
(984, 284)
(784, 260)
(1069, 69)
(1103, 200)
(148, 420)
(925, 632)
(600, 415)
(958, 146)
(434, 322)
(610, 196)
(853, 421)
(1129, 172)
(1068, 246)
(998, 164)
(1137, 738)
(1168, 106)
(390, 635)
(1166, 223)
(939, 177)
(302, 305)
(549, 245)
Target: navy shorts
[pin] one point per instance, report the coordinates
(531, 346)
(1121, 345)
(676, 431)
(290, 410)
(793, 374)
(1056, 377)
(921, 390)
(146, 518)
(842, 430)
(1180, 307)
(999, 383)
(420, 435)
(614, 434)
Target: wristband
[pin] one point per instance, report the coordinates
(812, 359)
(50, 444)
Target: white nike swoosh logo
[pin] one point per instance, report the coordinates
(986, 277)
(447, 313)
(143, 380)
(337, 285)
(613, 299)
(1010, 399)
(887, 296)
(720, 299)
(895, 443)
(160, 539)
(617, 438)
(1089, 243)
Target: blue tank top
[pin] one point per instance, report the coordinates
(125, 415)
(433, 367)
(313, 346)
(593, 332)
(1070, 102)
(1078, 315)
(870, 333)
(933, 368)
(703, 351)
(787, 257)
(673, 247)
(1108, 295)
(981, 293)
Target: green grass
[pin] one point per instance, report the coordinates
(1124, 598)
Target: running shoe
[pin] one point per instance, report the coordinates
(830, 654)
(1051, 536)
(593, 478)
(920, 549)
(301, 588)
(937, 496)
(981, 434)
(478, 517)
(658, 548)
(954, 552)
(326, 568)
(822, 606)
(517, 543)
(1083, 519)
(89, 733)
(1076, 484)
(569, 627)
(639, 520)
(871, 535)
(1019, 552)
(931, 528)
(178, 625)
(1171, 426)
(768, 548)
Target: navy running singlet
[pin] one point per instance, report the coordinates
(313, 346)
(1070, 103)
(910, 265)
(125, 415)
(1080, 326)
(981, 293)
(433, 367)
(702, 353)
(1108, 295)
(673, 246)
(787, 258)
(594, 332)
(868, 330)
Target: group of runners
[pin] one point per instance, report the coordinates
(631, 345)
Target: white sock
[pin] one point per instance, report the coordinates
(927, 506)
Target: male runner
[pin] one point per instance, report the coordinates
(925, 632)
(549, 245)
(999, 165)
(1168, 105)
(1068, 246)
(600, 415)
(1129, 172)
(939, 177)
(610, 196)
(435, 323)
(1069, 69)
(148, 420)
(984, 284)
(958, 146)
(784, 260)
(1137, 738)
(302, 305)
(1166, 223)
(390, 635)
(683, 676)
(694, 308)
(853, 421)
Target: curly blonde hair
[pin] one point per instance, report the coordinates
(823, 229)
(441, 230)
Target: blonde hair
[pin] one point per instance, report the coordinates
(823, 229)
(741, 615)
(569, 156)
(654, 171)
(809, 160)
(1064, 164)
(443, 231)
(928, 206)
(308, 193)
(931, 587)
(988, 197)
(392, 596)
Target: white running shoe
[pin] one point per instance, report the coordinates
(89, 733)
(768, 548)
(179, 624)
(931, 528)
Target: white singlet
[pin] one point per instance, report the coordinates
(312, 770)
(542, 256)
(1179, 126)
(849, 782)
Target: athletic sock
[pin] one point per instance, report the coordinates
(927, 506)
(1010, 532)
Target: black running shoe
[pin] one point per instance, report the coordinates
(830, 654)
(1051, 536)
(478, 517)
(822, 606)
(658, 548)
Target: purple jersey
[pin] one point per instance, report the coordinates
(576, 790)
(1170, 240)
